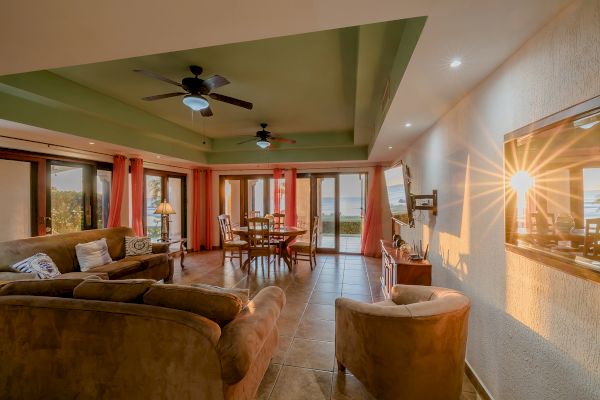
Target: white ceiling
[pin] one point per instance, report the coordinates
(38, 35)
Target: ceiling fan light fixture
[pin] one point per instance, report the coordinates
(263, 144)
(195, 102)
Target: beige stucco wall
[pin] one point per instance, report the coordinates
(534, 330)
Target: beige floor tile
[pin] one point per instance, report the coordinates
(316, 329)
(293, 309)
(287, 326)
(320, 311)
(347, 387)
(282, 347)
(296, 383)
(323, 298)
(268, 382)
(311, 354)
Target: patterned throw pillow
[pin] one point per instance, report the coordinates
(137, 246)
(40, 264)
(92, 254)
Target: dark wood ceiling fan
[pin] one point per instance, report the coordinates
(265, 138)
(195, 90)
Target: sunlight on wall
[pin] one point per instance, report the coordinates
(452, 248)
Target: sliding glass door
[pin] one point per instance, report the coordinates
(170, 187)
(338, 199)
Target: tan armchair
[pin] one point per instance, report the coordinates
(409, 347)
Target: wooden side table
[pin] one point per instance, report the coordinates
(181, 251)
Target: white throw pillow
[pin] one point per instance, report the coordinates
(136, 246)
(92, 254)
(40, 264)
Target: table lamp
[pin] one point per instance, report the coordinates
(164, 209)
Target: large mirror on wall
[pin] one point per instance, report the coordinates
(552, 187)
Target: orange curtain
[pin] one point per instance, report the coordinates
(373, 227)
(208, 214)
(196, 212)
(290, 197)
(119, 173)
(137, 195)
(277, 175)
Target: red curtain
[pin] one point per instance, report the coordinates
(196, 213)
(137, 195)
(208, 215)
(277, 175)
(373, 228)
(290, 197)
(119, 173)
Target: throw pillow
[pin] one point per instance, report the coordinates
(218, 306)
(242, 294)
(137, 246)
(92, 254)
(40, 264)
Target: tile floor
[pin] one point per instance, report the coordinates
(303, 366)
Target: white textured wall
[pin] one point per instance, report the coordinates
(534, 330)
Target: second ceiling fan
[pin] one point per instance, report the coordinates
(265, 137)
(195, 90)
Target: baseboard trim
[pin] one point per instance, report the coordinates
(479, 386)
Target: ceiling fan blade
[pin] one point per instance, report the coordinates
(282, 140)
(214, 82)
(156, 76)
(206, 112)
(231, 100)
(163, 96)
(248, 141)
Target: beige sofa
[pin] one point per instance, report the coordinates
(78, 348)
(409, 347)
(61, 248)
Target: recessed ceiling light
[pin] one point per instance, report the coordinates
(390, 147)
(455, 63)
(408, 124)
(92, 143)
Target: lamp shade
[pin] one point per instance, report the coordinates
(164, 208)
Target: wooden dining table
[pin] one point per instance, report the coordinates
(289, 233)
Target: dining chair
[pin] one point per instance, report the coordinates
(277, 240)
(229, 243)
(307, 249)
(591, 246)
(259, 241)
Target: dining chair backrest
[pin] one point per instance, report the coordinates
(315, 230)
(259, 233)
(592, 238)
(254, 214)
(278, 220)
(225, 227)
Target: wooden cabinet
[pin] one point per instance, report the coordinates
(398, 268)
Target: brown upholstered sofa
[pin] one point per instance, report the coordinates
(409, 347)
(61, 248)
(72, 347)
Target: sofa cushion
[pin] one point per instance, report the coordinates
(83, 275)
(17, 276)
(124, 291)
(149, 260)
(43, 287)
(40, 264)
(218, 306)
(118, 269)
(92, 254)
(242, 294)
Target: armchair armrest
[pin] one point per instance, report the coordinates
(160, 248)
(243, 338)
